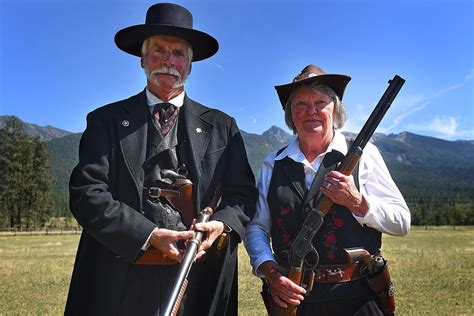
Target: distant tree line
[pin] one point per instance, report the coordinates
(437, 195)
(25, 180)
(32, 196)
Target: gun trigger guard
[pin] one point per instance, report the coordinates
(308, 280)
(311, 260)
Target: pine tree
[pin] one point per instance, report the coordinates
(14, 146)
(25, 189)
(41, 183)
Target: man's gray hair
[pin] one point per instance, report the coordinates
(339, 110)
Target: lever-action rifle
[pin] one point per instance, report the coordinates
(302, 244)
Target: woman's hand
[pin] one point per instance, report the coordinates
(342, 190)
(283, 290)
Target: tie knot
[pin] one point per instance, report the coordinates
(161, 107)
(164, 115)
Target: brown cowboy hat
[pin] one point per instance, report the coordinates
(309, 75)
(171, 20)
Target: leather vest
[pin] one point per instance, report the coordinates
(290, 201)
(161, 154)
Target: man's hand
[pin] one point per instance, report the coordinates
(283, 290)
(213, 229)
(342, 190)
(166, 241)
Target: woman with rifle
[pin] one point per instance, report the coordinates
(367, 203)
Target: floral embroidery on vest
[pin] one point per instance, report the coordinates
(280, 223)
(330, 239)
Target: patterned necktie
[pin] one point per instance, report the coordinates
(165, 115)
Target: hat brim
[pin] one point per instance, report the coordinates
(130, 39)
(336, 82)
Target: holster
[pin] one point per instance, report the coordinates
(381, 284)
(179, 215)
(170, 206)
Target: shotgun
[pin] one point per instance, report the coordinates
(302, 245)
(178, 290)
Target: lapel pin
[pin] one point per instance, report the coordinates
(198, 130)
(125, 123)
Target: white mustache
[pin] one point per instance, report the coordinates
(167, 71)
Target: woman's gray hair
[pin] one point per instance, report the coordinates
(339, 110)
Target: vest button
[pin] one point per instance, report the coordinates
(307, 209)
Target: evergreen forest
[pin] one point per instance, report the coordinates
(435, 176)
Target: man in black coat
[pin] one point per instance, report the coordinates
(132, 145)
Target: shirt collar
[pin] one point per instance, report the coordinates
(294, 152)
(152, 99)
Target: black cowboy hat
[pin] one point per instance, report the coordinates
(309, 75)
(171, 20)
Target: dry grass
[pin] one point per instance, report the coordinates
(35, 273)
(433, 270)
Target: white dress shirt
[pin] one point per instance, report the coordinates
(153, 99)
(388, 211)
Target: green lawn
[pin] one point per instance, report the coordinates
(433, 270)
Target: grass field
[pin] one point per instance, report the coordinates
(433, 270)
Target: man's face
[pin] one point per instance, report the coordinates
(167, 63)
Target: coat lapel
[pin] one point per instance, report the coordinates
(132, 126)
(197, 133)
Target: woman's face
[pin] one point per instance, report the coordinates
(312, 112)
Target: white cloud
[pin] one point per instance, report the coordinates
(399, 118)
(412, 104)
(353, 125)
(218, 65)
(469, 76)
(445, 91)
(443, 125)
(446, 127)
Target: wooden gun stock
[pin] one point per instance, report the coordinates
(296, 276)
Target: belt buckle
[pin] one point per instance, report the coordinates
(334, 275)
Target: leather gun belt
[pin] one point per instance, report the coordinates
(155, 192)
(337, 273)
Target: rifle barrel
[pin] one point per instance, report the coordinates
(177, 291)
(378, 113)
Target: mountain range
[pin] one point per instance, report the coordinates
(423, 167)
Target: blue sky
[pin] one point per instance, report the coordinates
(58, 60)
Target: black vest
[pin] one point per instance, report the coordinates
(161, 154)
(288, 200)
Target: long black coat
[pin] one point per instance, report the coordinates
(105, 197)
